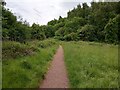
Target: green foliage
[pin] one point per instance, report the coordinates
(37, 32)
(60, 33)
(25, 64)
(8, 19)
(5, 34)
(71, 37)
(27, 72)
(53, 22)
(112, 29)
(12, 29)
(98, 15)
(49, 31)
(75, 23)
(87, 33)
(58, 26)
(46, 43)
(12, 49)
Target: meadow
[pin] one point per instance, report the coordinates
(91, 65)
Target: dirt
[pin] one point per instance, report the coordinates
(56, 76)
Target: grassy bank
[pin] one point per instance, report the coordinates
(28, 71)
(91, 65)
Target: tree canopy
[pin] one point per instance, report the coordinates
(98, 22)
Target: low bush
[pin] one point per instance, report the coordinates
(71, 37)
(12, 49)
(44, 44)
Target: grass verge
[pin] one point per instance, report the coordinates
(27, 71)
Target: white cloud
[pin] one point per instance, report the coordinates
(41, 11)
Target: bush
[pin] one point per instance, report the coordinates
(88, 33)
(46, 43)
(12, 49)
(71, 37)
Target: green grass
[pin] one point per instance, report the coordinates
(28, 71)
(91, 65)
(0, 74)
(0, 64)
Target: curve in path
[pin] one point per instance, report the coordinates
(56, 76)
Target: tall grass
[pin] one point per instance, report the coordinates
(0, 74)
(91, 65)
(0, 64)
(27, 71)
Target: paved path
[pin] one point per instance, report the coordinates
(57, 75)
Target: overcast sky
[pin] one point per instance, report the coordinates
(42, 11)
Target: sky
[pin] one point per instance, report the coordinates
(42, 11)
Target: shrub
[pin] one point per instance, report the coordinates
(12, 49)
(46, 43)
(88, 33)
(71, 37)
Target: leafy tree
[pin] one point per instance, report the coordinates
(111, 30)
(8, 19)
(60, 33)
(5, 34)
(52, 22)
(75, 23)
(87, 33)
(58, 26)
(37, 32)
(48, 30)
(98, 22)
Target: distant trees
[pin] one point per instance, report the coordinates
(11, 28)
(98, 22)
(20, 31)
(92, 23)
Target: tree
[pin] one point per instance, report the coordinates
(52, 22)
(37, 32)
(59, 34)
(87, 33)
(111, 30)
(48, 30)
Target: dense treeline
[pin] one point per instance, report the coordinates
(21, 31)
(98, 22)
